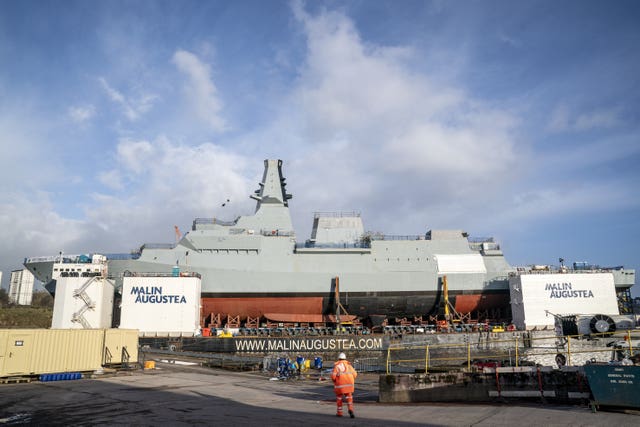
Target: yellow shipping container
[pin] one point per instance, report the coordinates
(120, 346)
(41, 351)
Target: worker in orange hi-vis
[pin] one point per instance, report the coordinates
(344, 378)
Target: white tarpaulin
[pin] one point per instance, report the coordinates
(467, 263)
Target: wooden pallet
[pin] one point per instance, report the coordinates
(15, 380)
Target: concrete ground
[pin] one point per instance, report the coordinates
(174, 395)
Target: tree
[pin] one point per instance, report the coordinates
(4, 298)
(41, 299)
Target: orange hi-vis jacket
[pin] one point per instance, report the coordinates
(344, 377)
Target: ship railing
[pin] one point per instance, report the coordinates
(157, 246)
(481, 240)
(52, 258)
(128, 273)
(274, 233)
(397, 237)
(555, 269)
(484, 246)
(212, 221)
(358, 245)
(123, 256)
(347, 214)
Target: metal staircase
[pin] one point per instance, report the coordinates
(81, 293)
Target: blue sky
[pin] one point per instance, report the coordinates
(518, 120)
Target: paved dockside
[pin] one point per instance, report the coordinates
(183, 395)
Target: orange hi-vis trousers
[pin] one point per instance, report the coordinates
(348, 398)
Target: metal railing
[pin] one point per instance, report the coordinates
(336, 214)
(211, 221)
(157, 246)
(423, 357)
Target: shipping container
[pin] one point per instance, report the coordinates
(614, 385)
(42, 351)
(120, 346)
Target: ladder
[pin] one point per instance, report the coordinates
(81, 293)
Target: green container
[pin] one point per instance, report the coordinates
(614, 385)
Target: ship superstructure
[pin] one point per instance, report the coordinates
(254, 267)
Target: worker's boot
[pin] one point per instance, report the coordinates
(351, 414)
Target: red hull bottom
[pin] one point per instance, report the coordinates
(480, 302)
(258, 307)
(298, 309)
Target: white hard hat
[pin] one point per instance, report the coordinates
(342, 356)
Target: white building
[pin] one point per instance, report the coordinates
(21, 287)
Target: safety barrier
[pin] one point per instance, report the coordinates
(515, 351)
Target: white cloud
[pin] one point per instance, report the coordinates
(135, 156)
(81, 114)
(596, 120)
(563, 120)
(509, 40)
(381, 134)
(200, 90)
(31, 227)
(559, 120)
(132, 107)
(111, 179)
(167, 183)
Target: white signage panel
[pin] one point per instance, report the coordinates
(161, 305)
(536, 298)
